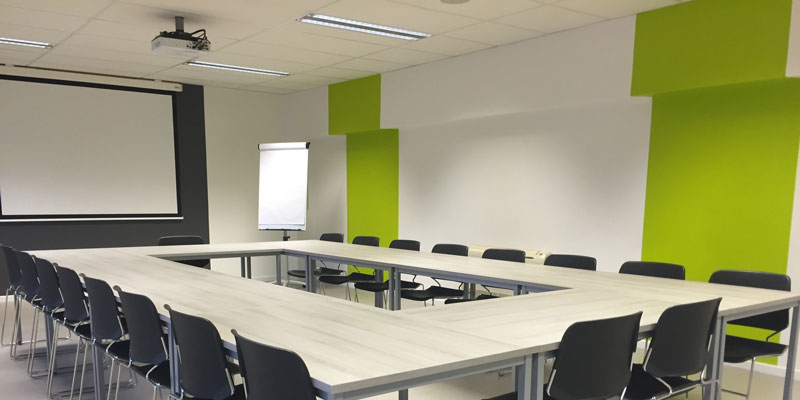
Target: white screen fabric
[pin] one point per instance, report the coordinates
(74, 151)
(283, 186)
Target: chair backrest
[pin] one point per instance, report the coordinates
(654, 269)
(11, 262)
(271, 372)
(204, 371)
(103, 310)
(75, 309)
(505, 255)
(775, 321)
(144, 328)
(178, 240)
(594, 359)
(571, 261)
(404, 244)
(48, 283)
(30, 279)
(332, 237)
(367, 240)
(452, 249)
(680, 341)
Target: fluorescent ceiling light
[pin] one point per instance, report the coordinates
(28, 43)
(236, 68)
(364, 27)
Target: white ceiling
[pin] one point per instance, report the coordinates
(113, 36)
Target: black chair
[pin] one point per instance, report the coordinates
(75, 319)
(571, 261)
(679, 349)
(593, 360)
(108, 329)
(10, 265)
(149, 356)
(494, 254)
(438, 291)
(654, 269)
(301, 273)
(272, 373)
(179, 240)
(357, 276)
(31, 290)
(204, 371)
(379, 287)
(739, 349)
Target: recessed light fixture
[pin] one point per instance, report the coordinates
(27, 43)
(364, 27)
(236, 68)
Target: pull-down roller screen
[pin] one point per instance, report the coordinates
(75, 151)
(283, 186)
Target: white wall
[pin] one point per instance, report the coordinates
(236, 122)
(533, 145)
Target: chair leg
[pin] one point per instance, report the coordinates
(83, 372)
(32, 347)
(3, 329)
(116, 391)
(750, 379)
(155, 391)
(75, 368)
(15, 331)
(110, 379)
(53, 350)
(356, 291)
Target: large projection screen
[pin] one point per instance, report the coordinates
(75, 151)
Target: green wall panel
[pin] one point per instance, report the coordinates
(721, 179)
(706, 43)
(354, 106)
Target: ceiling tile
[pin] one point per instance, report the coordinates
(341, 73)
(493, 34)
(284, 53)
(446, 45)
(207, 74)
(362, 64)
(40, 19)
(614, 8)
(31, 33)
(107, 67)
(295, 26)
(481, 9)
(9, 55)
(396, 15)
(405, 56)
(549, 19)
(81, 8)
(311, 79)
(267, 89)
(309, 41)
(157, 19)
(137, 37)
(110, 54)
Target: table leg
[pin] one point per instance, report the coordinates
(309, 275)
(249, 264)
(530, 378)
(174, 365)
(398, 287)
(379, 296)
(392, 284)
(791, 357)
(279, 268)
(242, 268)
(710, 392)
(97, 369)
(723, 328)
(403, 394)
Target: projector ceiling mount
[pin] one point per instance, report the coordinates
(180, 42)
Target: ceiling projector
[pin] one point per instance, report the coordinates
(181, 43)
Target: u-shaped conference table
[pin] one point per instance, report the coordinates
(353, 351)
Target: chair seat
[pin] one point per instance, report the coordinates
(417, 295)
(238, 394)
(329, 271)
(644, 386)
(359, 277)
(84, 331)
(301, 273)
(739, 349)
(159, 375)
(440, 291)
(334, 279)
(297, 273)
(513, 396)
(120, 350)
(381, 286)
(480, 297)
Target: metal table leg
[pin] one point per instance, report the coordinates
(402, 395)
(174, 365)
(249, 264)
(392, 284)
(715, 359)
(279, 269)
(791, 357)
(398, 288)
(309, 275)
(379, 296)
(243, 268)
(530, 378)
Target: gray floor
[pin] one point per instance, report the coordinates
(15, 383)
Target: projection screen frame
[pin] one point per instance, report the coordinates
(178, 215)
